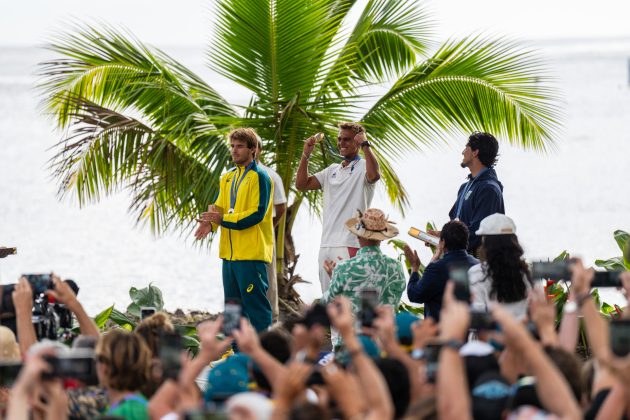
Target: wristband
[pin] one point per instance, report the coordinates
(366, 144)
(452, 344)
(581, 298)
(305, 156)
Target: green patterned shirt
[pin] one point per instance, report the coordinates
(370, 268)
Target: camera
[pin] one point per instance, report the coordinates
(369, 302)
(80, 365)
(48, 317)
(561, 270)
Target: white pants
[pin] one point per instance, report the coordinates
(272, 291)
(335, 254)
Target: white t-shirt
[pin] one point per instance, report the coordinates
(481, 286)
(278, 187)
(345, 191)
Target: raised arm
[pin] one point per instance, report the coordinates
(65, 295)
(551, 387)
(304, 181)
(23, 303)
(372, 382)
(373, 173)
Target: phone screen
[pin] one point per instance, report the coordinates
(369, 302)
(231, 318)
(620, 337)
(40, 283)
(170, 354)
(459, 276)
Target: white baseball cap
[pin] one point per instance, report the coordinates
(496, 224)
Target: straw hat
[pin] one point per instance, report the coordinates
(372, 224)
(9, 349)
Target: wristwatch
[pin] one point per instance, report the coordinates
(366, 144)
(452, 344)
(570, 307)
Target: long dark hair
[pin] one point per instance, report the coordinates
(502, 254)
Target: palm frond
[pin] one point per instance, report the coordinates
(473, 84)
(106, 151)
(118, 72)
(386, 42)
(276, 48)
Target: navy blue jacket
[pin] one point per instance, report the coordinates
(484, 198)
(430, 288)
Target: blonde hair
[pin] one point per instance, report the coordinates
(127, 358)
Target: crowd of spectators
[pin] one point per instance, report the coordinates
(506, 352)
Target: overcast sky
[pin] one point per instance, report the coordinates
(189, 22)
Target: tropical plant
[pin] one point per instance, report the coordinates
(135, 119)
(622, 262)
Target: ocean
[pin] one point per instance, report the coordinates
(572, 198)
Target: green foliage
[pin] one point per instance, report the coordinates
(150, 296)
(101, 319)
(622, 262)
(417, 310)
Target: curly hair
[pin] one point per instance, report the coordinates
(355, 127)
(151, 328)
(502, 254)
(488, 148)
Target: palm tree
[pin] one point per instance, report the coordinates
(137, 120)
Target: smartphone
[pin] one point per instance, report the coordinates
(459, 276)
(80, 365)
(431, 356)
(551, 270)
(561, 270)
(369, 302)
(40, 283)
(170, 354)
(482, 321)
(423, 236)
(147, 311)
(231, 317)
(9, 372)
(620, 337)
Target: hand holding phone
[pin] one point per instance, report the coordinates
(459, 277)
(170, 354)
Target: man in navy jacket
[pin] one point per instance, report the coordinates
(482, 194)
(430, 288)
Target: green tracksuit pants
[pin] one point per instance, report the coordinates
(247, 281)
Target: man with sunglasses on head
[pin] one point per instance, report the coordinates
(348, 186)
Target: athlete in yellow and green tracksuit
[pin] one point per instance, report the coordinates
(246, 243)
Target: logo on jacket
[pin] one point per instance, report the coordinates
(250, 287)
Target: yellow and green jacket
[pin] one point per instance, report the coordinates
(247, 232)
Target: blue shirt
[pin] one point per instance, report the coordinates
(430, 288)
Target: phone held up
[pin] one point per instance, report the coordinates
(561, 270)
(231, 317)
(367, 311)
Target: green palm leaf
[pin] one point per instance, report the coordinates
(465, 86)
